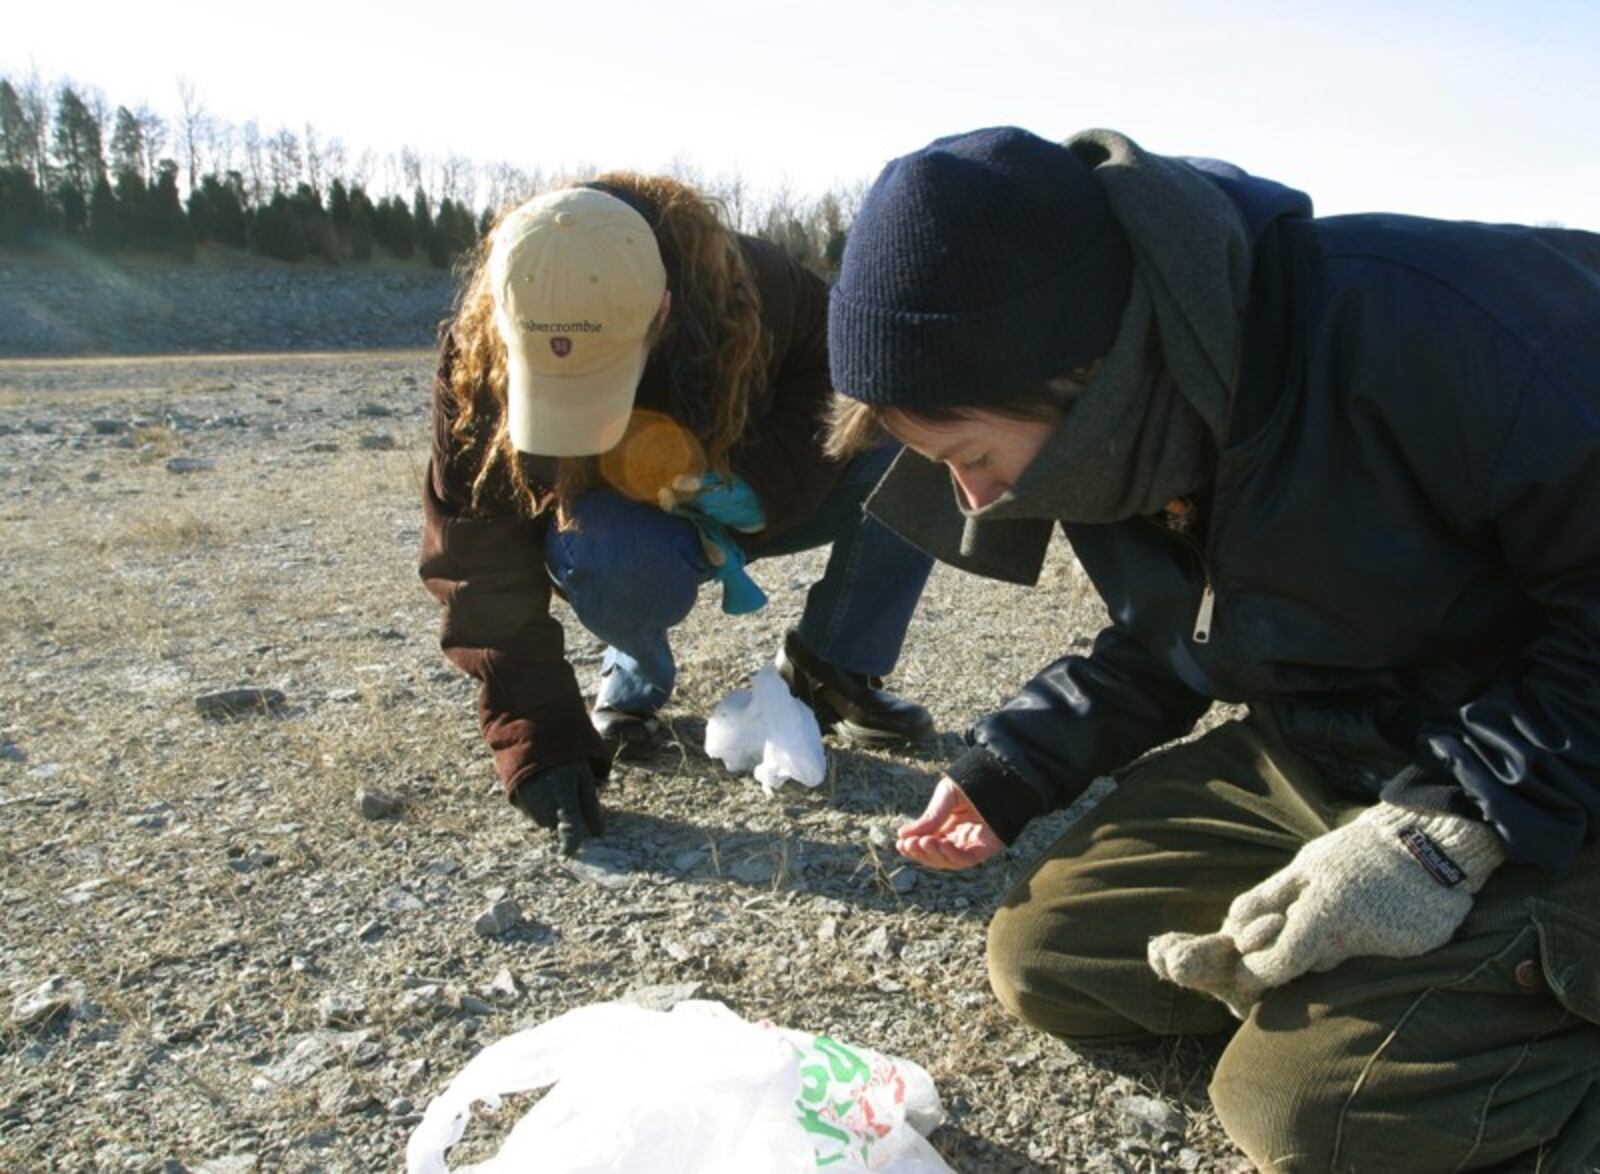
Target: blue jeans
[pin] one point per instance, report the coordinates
(631, 572)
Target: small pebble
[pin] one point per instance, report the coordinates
(190, 464)
(502, 986)
(498, 918)
(904, 880)
(377, 804)
(337, 1009)
(233, 703)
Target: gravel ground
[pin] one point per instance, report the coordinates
(253, 942)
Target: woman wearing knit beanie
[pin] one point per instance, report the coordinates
(1341, 470)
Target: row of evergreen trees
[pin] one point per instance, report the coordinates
(66, 184)
(125, 213)
(61, 178)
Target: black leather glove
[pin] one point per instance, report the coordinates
(565, 798)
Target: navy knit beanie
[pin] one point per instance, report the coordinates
(977, 268)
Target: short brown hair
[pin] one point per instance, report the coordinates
(855, 426)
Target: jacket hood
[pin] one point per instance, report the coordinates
(1260, 201)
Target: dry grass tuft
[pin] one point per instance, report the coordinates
(156, 441)
(171, 533)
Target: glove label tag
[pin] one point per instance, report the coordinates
(1432, 857)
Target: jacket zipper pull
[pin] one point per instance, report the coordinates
(1202, 619)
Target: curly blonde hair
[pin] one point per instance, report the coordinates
(712, 341)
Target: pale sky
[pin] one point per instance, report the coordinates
(1460, 109)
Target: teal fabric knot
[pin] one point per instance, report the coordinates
(720, 507)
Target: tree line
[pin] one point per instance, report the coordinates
(127, 179)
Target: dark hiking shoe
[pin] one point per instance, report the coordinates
(626, 734)
(852, 705)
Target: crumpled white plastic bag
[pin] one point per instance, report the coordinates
(768, 728)
(695, 1090)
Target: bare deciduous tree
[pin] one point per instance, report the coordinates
(222, 146)
(35, 98)
(100, 111)
(410, 163)
(360, 172)
(153, 134)
(456, 179)
(333, 160)
(508, 184)
(192, 128)
(255, 164)
(733, 192)
(313, 159)
(283, 160)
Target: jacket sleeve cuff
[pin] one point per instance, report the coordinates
(1466, 848)
(1005, 801)
(1429, 788)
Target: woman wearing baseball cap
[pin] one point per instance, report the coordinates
(629, 402)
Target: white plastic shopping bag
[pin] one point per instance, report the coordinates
(768, 728)
(695, 1090)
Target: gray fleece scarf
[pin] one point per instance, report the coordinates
(1148, 427)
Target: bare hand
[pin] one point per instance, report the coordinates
(950, 833)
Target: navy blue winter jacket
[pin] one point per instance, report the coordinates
(1402, 545)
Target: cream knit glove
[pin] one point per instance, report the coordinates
(1393, 883)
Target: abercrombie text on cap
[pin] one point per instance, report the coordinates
(584, 327)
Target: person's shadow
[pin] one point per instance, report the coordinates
(862, 868)
(968, 1152)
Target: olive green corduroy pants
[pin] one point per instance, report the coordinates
(1483, 1054)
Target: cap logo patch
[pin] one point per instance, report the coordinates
(584, 327)
(561, 345)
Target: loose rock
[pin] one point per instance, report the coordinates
(503, 986)
(53, 998)
(190, 464)
(877, 944)
(229, 1164)
(425, 999)
(605, 867)
(1150, 1118)
(498, 918)
(377, 804)
(472, 1005)
(308, 1056)
(663, 997)
(235, 703)
(337, 1009)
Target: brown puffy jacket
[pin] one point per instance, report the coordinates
(487, 568)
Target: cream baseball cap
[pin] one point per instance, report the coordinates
(577, 281)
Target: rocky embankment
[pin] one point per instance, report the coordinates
(82, 304)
